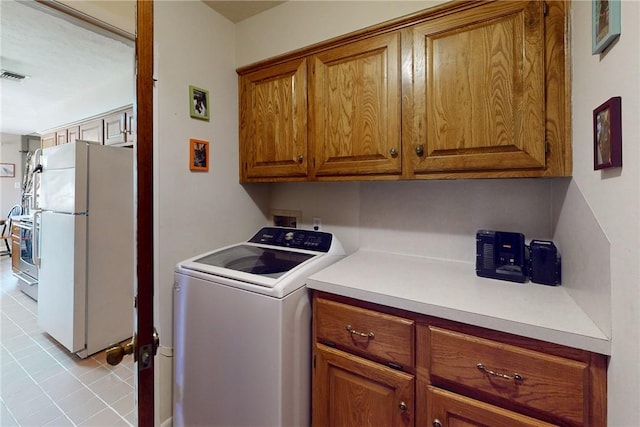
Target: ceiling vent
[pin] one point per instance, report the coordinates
(10, 75)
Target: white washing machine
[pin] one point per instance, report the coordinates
(242, 330)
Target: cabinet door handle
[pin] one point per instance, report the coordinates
(436, 423)
(515, 377)
(420, 150)
(352, 331)
(300, 158)
(393, 152)
(403, 406)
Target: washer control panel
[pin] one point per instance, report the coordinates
(294, 238)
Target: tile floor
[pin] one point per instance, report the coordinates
(42, 384)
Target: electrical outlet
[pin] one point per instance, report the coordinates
(317, 223)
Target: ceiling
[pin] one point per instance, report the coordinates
(63, 59)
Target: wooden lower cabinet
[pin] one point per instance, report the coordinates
(381, 366)
(353, 391)
(15, 247)
(447, 409)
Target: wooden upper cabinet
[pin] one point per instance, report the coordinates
(92, 131)
(354, 105)
(460, 90)
(48, 140)
(273, 122)
(61, 137)
(115, 127)
(479, 90)
(73, 133)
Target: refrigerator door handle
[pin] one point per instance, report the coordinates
(35, 236)
(37, 177)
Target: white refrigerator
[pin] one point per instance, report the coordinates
(86, 268)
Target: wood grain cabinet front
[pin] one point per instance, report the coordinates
(92, 131)
(273, 123)
(448, 409)
(15, 247)
(116, 127)
(530, 379)
(479, 90)
(354, 108)
(48, 140)
(351, 391)
(363, 367)
(371, 360)
(460, 90)
(119, 128)
(378, 336)
(489, 375)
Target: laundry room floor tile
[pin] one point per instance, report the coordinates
(37, 372)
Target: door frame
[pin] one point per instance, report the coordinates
(143, 106)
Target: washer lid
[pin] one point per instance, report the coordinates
(262, 261)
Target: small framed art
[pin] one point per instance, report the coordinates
(199, 103)
(198, 155)
(7, 170)
(607, 134)
(605, 24)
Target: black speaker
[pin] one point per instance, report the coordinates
(545, 262)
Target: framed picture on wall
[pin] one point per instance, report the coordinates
(605, 24)
(607, 134)
(199, 103)
(198, 155)
(7, 170)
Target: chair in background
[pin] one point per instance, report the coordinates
(6, 228)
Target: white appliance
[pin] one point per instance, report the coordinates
(242, 330)
(86, 274)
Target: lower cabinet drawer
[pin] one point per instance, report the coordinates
(446, 409)
(372, 334)
(541, 382)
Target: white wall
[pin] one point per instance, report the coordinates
(613, 195)
(194, 211)
(597, 212)
(10, 146)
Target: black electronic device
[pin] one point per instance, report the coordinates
(501, 255)
(545, 263)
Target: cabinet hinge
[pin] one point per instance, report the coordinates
(545, 9)
(314, 361)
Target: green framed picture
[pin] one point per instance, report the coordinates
(199, 103)
(605, 24)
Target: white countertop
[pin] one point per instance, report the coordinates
(451, 290)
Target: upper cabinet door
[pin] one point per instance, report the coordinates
(273, 122)
(354, 98)
(479, 87)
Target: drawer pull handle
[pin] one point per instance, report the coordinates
(360, 334)
(515, 377)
